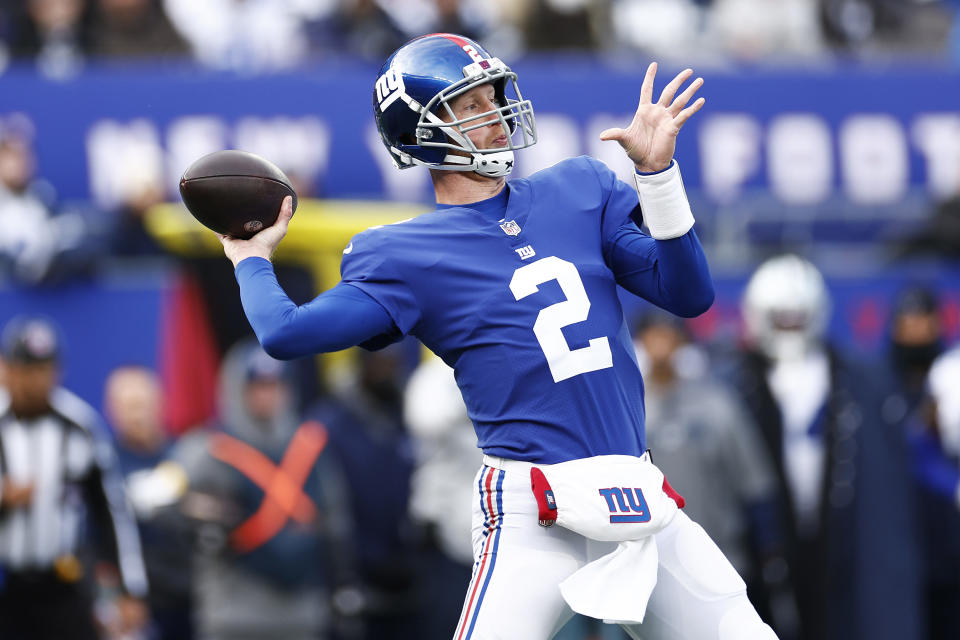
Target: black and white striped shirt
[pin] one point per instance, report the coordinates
(65, 455)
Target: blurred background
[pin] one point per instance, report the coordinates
(831, 133)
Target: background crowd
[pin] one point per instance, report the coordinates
(328, 498)
(257, 35)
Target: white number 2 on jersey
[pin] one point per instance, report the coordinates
(563, 362)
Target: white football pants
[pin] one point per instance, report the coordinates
(514, 593)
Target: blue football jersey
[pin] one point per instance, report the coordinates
(519, 295)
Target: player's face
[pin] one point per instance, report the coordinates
(481, 99)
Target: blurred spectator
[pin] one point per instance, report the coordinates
(36, 245)
(360, 28)
(916, 340)
(268, 555)
(57, 464)
(756, 30)
(133, 402)
(702, 438)
(887, 26)
(447, 460)
(247, 35)
(935, 439)
(940, 238)
(364, 416)
(54, 33)
(133, 29)
(837, 456)
(566, 24)
(661, 28)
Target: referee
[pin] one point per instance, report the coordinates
(56, 469)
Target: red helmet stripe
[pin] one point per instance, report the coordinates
(460, 42)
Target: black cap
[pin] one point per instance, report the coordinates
(30, 341)
(916, 299)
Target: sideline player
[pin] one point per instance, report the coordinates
(514, 285)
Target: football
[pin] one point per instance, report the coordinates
(235, 193)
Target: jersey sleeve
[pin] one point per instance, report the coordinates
(336, 319)
(374, 268)
(672, 274)
(621, 206)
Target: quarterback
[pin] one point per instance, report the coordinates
(514, 285)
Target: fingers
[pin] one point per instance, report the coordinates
(684, 97)
(671, 89)
(646, 89)
(684, 115)
(286, 212)
(612, 134)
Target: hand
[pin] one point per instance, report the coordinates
(16, 495)
(651, 138)
(264, 243)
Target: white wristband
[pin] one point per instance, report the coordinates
(663, 199)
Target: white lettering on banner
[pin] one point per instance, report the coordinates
(299, 146)
(729, 147)
(404, 186)
(795, 150)
(558, 137)
(189, 138)
(800, 158)
(937, 136)
(873, 159)
(123, 158)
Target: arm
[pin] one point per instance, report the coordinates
(669, 268)
(339, 318)
(336, 319)
(671, 274)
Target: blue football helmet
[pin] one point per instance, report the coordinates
(417, 83)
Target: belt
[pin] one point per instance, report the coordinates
(524, 465)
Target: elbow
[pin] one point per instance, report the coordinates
(276, 346)
(697, 302)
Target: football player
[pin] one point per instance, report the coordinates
(514, 285)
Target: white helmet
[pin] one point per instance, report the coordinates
(786, 307)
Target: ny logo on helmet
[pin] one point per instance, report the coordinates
(636, 511)
(389, 87)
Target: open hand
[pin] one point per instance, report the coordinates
(651, 138)
(264, 243)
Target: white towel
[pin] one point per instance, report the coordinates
(616, 587)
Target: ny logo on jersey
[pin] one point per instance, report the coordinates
(635, 511)
(525, 252)
(510, 227)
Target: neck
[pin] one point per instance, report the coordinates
(464, 187)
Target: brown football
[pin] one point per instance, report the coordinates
(235, 192)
